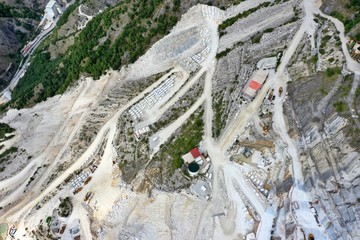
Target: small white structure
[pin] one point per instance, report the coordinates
(251, 236)
(141, 131)
(188, 158)
(267, 63)
(51, 9)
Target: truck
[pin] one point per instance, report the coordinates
(280, 90)
(88, 197)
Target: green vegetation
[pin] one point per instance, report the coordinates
(236, 2)
(226, 51)
(4, 155)
(3, 230)
(326, 38)
(339, 106)
(88, 56)
(332, 71)
(268, 30)
(48, 220)
(351, 21)
(323, 91)
(218, 122)
(27, 26)
(65, 16)
(122, 164)
(357, 92)
(257, 37)
(223, 53)
(44, 76)
(345, 90)
(314, 59)
(231, 21)
(338, 15)
(65, 207)
(353, 133)
(12, 12)
(357, 37)
(32, 178)
(190, 135)
(4, 129)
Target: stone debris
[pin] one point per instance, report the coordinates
(150, 100)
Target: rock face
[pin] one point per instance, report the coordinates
(8, 38)
(332, 170)
(8, 43)
(235, 68)
(330, 155)
(8, 47)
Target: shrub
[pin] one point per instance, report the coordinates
(332, 71)
(339, 106)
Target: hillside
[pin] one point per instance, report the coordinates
(113, 38)
(18, 22)
(175, 119)
(348, 12)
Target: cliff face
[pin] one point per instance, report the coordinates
(331, 165)
(8, 42)
(10, 39)
(319, 108)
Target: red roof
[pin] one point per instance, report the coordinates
(195, 152)
(254, 85)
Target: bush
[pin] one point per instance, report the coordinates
(323, 91)
(332, 71)
(326, 38)
(338, 15)
(269, 30)
(6, 153)
(314, 59)
(223, 53)
(339, 106)
(256, 38)
(65, 207)
(231, 21)
(4, 129)
(218, 122)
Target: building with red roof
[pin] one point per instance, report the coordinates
(257, 80)
(195, 153)
(254, 85)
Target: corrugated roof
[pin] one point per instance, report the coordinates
(195, 152)
(254, 85)
(188, 158)
(260, 76)
(250, 92)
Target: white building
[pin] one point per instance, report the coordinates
(51, 10)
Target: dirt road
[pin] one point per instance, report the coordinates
(34, 197)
